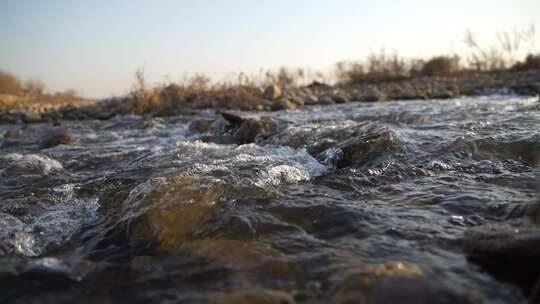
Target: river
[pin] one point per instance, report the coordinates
(153, 210)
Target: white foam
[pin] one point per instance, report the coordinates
(268, 165)
(53, 227)
(29, 163)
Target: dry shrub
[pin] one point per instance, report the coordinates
(381, 68)
(193, 93)
(532, 62)
(499, 56)
(378, 68)
(10, 84)
(34, 87)
(236, 97)
(440, 66)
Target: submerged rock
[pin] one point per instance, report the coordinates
(32, 117)
(232, 118)
(252, 129)
(533, 212)
(170, 213)
(219, 139)
(201, 125)
(514, 246)
(374, 94)
(395, 282)
(57, 137)
(252, 296)
(359, 150)
(513, 242)
(251, 258)
(12, 133)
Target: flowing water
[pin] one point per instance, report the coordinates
(141, 210)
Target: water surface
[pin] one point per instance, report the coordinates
(141, 210)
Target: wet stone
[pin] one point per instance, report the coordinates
(361, 149)
(251, 259)
(533, 212)
(201, 125)
(252, 129)
(232, 118)
(12, 133)
(219, 139)
(171, 213)
(32, 117)
(57, 137)
(252, 296)
(512, 242)
(396, 282)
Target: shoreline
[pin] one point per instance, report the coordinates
(274, 98)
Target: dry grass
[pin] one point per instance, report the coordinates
(10, 84)
(196, 92)
(17, 95)
(382, 68)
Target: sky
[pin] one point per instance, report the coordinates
(95, 46)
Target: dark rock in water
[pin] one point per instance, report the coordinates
(57, 137)
(515, 242)
(531, 89)
(252, 129)
(374, 94)
(511, 249)
(331, 157)
(357, 150)
(52, 271)
(326, 101)
(319, 146)
(396, 282)
(171, 213)
(57, 121)
(12, 133)
(283, 104)
(31, 117)
(533, 212)
(219, 139)
(201, 125)
(338, 98)
(252, 296)
(232, 118)
(272, 92)
(318, 86)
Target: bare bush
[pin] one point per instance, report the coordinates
(440, 66)
(502, 56)
(532, 62)
(10, 84)
(34, 87)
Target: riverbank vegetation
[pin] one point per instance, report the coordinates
(381, 76)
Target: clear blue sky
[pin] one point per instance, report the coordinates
(95, 46)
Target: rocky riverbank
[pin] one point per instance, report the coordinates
(273, 98)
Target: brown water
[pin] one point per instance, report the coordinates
(140, 210)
